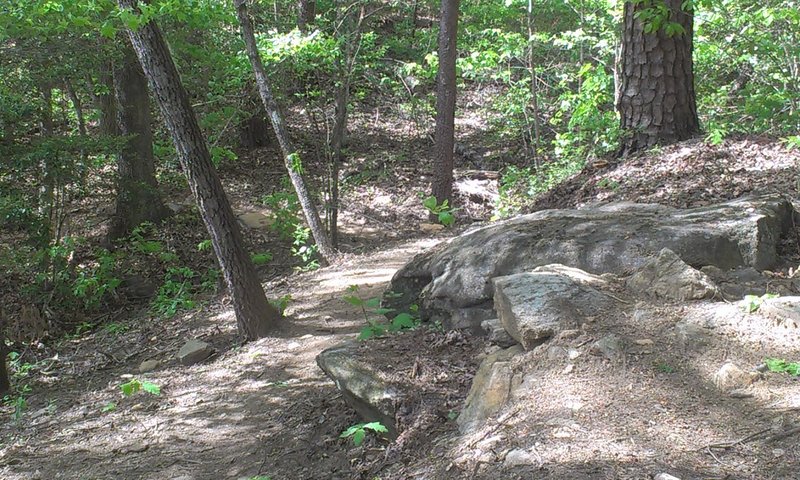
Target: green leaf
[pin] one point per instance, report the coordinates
(358, 437)
(108, 30)
(151, 388)
(353, 300)
(403, 320)
(373, 302)
(109, 407)
(131, 387)
(351, 430)
(366, 333)
(375, 427)
(446, 218)
(430, 203)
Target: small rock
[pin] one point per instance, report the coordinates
(518, 456)
(431, 227)
(148, 366)
(731, 377)
(691, 335)
(194, 351)
(572, 354)
(610, 346)
(643, 342)
(255, 220)
(496, 334)
(665, 476)
(740, 394)
(778, 452)
(569, 334)
(568, 369)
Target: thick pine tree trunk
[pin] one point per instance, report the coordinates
(656, 102)
(290, 155)
(255, 316)
(445, 103)
(138, 198)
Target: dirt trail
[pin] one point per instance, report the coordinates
(261, 409)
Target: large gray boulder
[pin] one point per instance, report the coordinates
(452, 282)
(362, 386)
(534, 306)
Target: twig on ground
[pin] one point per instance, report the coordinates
(728, 445)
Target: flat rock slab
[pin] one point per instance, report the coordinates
(194, 351)
(362, 386)
(536, 305)
(452, 282)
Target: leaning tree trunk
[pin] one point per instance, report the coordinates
(445, 103)
(255, 316)
(138, 199)
(657, 103)
(290, 156)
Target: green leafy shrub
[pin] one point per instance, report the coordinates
(135, 385)
(175, 294)
(782, 366)
(443, 211)
(358, 432)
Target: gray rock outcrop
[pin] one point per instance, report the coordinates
(669, 277)
(491, 389)
(452, 282)
(536, 305)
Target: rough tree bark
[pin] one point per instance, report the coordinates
(344, 68)
(306, 14)
(255, 316)
(5, 382)
(290, 155)
(76, 105)
(104, 102)
(657, 102)
(445, 103)
(138, 198)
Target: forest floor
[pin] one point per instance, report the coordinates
(265, 408)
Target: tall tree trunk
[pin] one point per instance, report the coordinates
(534, 88)
(76, 106)
(5, 383)
(105, 102)
(138, 198)
(657, 98)
(445, 103)
(290, 156)
(344, 67)
(306, 14)
(46, 189)
(255, 316)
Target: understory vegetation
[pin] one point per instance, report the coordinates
(537, 88)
